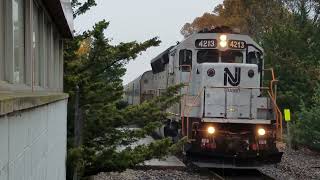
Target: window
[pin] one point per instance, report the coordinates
(56, 57)
(157, 66)
(18, 40)
(231, 56)
(36, 45)
(253, 57)
(31, 49)
(49, 53)
(2, 15)
(185, 60)
(42, 49)
(208, 56)
(61, 65)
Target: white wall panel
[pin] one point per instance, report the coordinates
(4, 151)
(33, 143)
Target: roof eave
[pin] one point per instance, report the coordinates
(59, 17)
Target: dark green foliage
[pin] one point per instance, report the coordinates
(306, 130)
(96, 67)
(293, 50)
(80, 8)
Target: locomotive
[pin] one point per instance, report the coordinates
(228, 111)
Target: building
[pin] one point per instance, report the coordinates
(33, 107)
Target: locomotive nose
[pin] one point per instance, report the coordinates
(225, 95)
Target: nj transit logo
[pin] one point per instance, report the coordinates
(229, 78)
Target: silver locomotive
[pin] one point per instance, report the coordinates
(228, 110)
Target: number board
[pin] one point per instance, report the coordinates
(206, 43)
(237, 44)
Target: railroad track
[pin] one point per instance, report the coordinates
(238, 174)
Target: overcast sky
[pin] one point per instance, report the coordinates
(144, 19)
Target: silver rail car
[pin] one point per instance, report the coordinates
(226, 112)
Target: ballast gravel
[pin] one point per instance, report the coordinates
(150, 175)
(301, 164)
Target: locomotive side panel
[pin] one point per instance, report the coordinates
(132, 92)
(147, 86)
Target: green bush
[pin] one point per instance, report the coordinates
(306, 130)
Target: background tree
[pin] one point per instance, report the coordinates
(251, 17)
(289, 32)
(80, 8)
(93, 71)
(306, 130)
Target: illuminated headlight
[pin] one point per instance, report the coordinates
(261, 132)
(223, 40)
(223, 44)
(223, 37)
(211, 130)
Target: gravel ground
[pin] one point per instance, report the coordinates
(295, 164)
(301, 164)
(150, 175)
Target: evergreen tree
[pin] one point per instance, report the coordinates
(96, 120)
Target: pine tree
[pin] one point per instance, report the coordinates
(93, 71)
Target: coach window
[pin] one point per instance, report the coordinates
(231, 56)
(208, 56)
(185, 60)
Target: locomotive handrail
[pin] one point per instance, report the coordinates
(279, 119)
(273, 95)
(185, 97)
(190, 108)
(238, 87)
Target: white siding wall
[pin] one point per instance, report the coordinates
(33, 143)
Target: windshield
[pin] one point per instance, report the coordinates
(231, 56)
(212, 56)
(208, 55)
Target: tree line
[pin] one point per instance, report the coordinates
(289, 32)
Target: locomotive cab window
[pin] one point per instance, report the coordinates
(255, 58)
(232, 56)
(185, 60)
(208, 56)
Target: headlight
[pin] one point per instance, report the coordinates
(261, 132)
(223, 40)
(211, 130)
(223, 37)
(223, 43)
